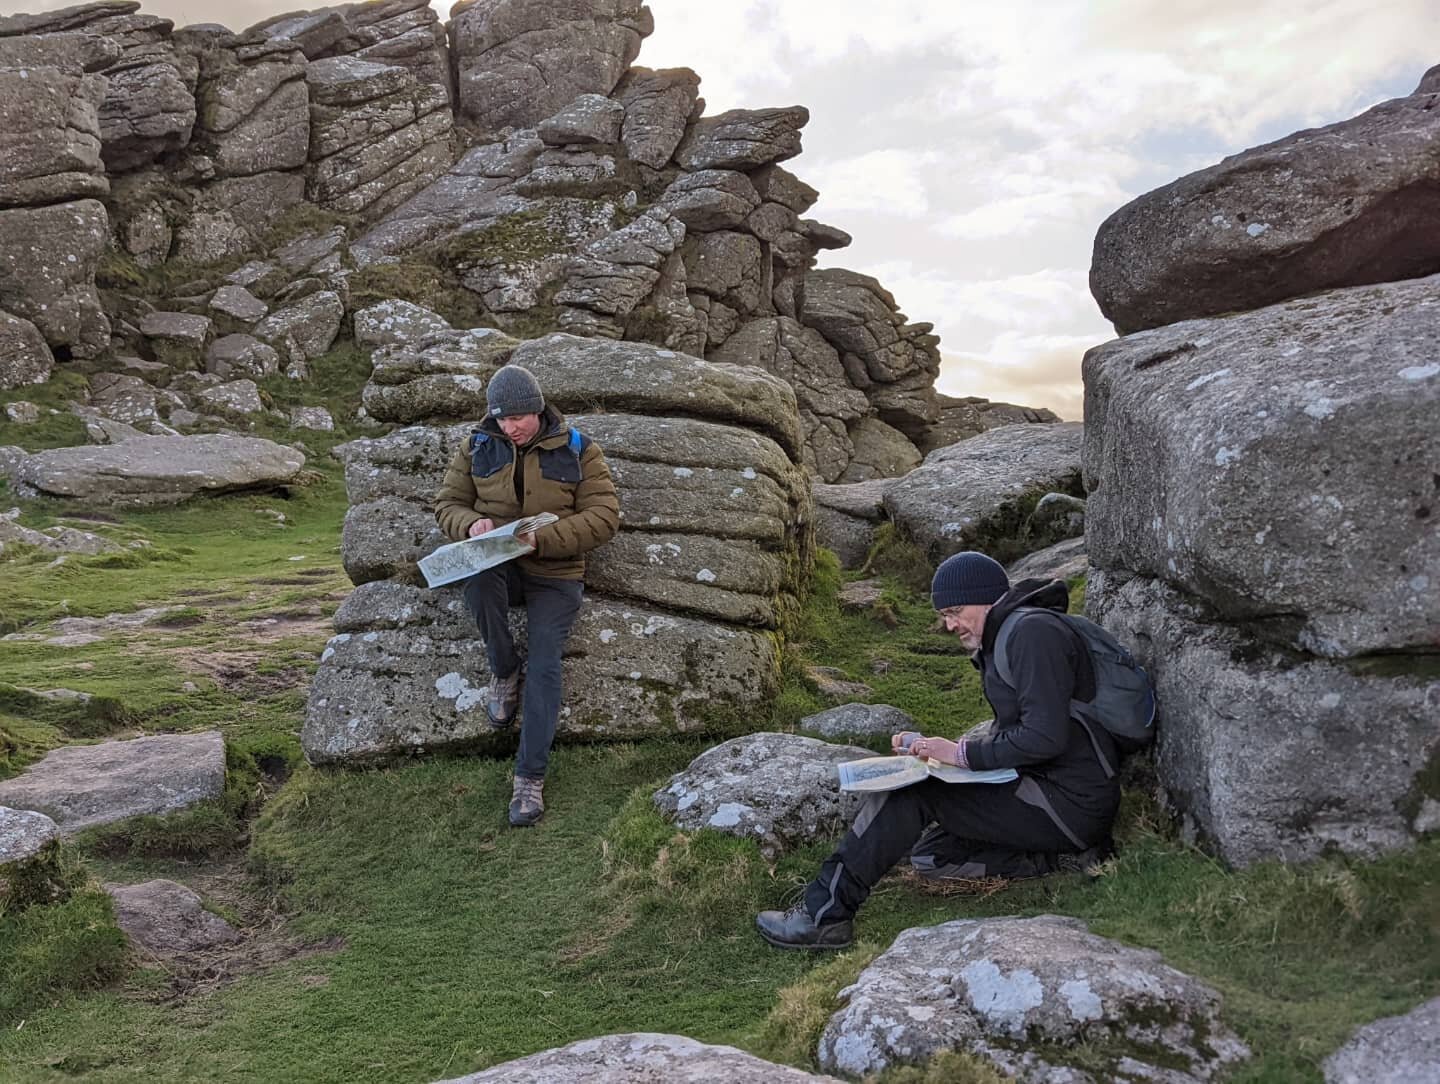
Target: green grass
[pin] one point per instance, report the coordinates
(451, 942)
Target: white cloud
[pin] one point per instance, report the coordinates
(895, 178)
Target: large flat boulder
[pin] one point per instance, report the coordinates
(973, 495)
(406, 672)
(160, 470)
(1310, 427)
(1348, 204)
(1022, 993)
(85, 786)
(1268, 756)
(641, 1058)
(520, 61)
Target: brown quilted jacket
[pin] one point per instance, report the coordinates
(576, 486)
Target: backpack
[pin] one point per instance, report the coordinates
(1124, 701)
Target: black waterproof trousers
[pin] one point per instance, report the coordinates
(550, 608)
(991, 817)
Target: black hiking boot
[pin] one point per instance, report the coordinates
(795, 929)
(1089, 860)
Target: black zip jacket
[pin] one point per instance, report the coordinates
(1033, 730)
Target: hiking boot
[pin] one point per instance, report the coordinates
(1089, 860)
(795, 929)
(527, 802)
(502, 699)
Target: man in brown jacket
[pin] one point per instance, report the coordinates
(522, 460)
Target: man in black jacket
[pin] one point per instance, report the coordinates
(1064, 801)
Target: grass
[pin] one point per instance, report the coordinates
(451, 942)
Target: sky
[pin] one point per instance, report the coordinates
(972, 149)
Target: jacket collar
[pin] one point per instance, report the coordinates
(553, 430)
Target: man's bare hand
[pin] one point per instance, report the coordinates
(940, 749)
(900, 743)
(480, 526)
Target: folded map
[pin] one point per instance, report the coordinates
(458, 560)
(891, 773)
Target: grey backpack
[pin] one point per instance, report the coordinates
(1124, 702)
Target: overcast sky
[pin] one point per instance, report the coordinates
(973, 148)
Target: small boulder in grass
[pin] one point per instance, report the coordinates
(166, 919)
(780, 790)
(858, 721)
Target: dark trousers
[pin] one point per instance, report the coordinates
(550, 608)
(888, 825)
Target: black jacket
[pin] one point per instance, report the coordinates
(1033, 730)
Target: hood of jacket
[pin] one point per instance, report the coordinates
(1045, 594)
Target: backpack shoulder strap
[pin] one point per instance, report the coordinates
(1000, 652)
(578, 442)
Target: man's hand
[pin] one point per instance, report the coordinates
(527, 539)
(480, 526)
(900, 743)
(935, 749)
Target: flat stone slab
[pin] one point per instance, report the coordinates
(971, 494)
(997, 987)
(1395, 1050)
(160, 470)
(84, 786)
(780, 790)
(167, 919)
(1062, 561)
(858, 721)
(23, 834)
(641, 1058)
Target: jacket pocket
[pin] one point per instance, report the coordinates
(489, 456)
(560, 465)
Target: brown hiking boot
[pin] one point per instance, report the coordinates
(502, 699)
(527, 802)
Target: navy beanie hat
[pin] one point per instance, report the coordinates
(513, 390)
(968, 579)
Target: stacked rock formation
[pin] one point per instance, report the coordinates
(611, 207)
(1263, 485)
(715, 542)
(594, 197)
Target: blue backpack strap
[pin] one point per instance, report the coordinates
(578, 440)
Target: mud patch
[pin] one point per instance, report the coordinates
(287, 626)
(264, 941)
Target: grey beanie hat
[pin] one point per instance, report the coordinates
(968, 579)
(513, 390)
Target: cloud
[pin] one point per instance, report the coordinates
(896, 175)
(1049, 376)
